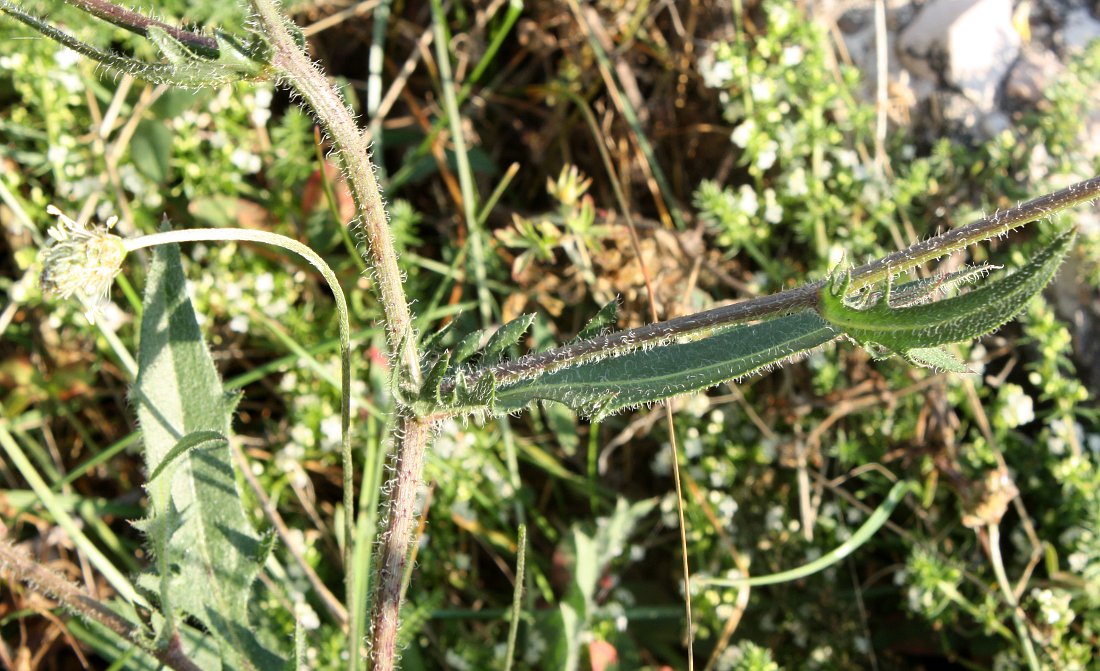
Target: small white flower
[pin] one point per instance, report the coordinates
(263, 96)
(265, 284)
(749, 202)
(743, 133)
(306, 616)
(773, 211)
(796, 184)
(13, 62)
(82, 261)
(239, 324)
(246, 161)
(331, 432)
(727, 508)
(66, 58)
(1077, 561)
(766, 158)
(762, 90)
(792, 56)
(1018, 407)
(57, 154)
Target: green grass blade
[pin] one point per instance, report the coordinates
(861, 536)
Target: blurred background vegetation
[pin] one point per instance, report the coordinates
(748, 154)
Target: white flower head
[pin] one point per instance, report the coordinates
(81, 261)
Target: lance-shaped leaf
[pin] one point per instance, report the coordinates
(505, 337)
(600, 388)
(957, 319)
(603, 320)
(198, 527)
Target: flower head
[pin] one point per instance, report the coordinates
(81, 261)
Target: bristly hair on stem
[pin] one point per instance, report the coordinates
(784, 302)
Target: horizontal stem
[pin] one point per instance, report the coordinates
(140, 24)
(803, 297)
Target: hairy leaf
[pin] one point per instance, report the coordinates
(505, 337)
(235, 60)
(928, 325)
(602, 320)
(603, 387)
(467, 347)
(208, 554)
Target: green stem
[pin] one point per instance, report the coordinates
(1010, 597)
(462, 158)
(861, 536)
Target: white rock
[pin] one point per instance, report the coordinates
(1080, 29)
(970, 43)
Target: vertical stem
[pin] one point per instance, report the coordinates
(353, 154)
(401, 519)
(1010, 597)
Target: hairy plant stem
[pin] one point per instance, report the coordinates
(353, 154)
(140, 24)
(72, 598)
(394, 545)
(806, 296)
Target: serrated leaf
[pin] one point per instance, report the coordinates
(602, 320)
(956, 319)
(200, 530)
(922, 290)
(600, 388)
(505, 337)
(235, 60)
(433, 344)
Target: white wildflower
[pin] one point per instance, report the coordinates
(767, 156)
(66, 58)
(773, 211)
(1018, 408)
(246, 161)
(796, 183)
(743, 133)
(82, 261)
(749, 202)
